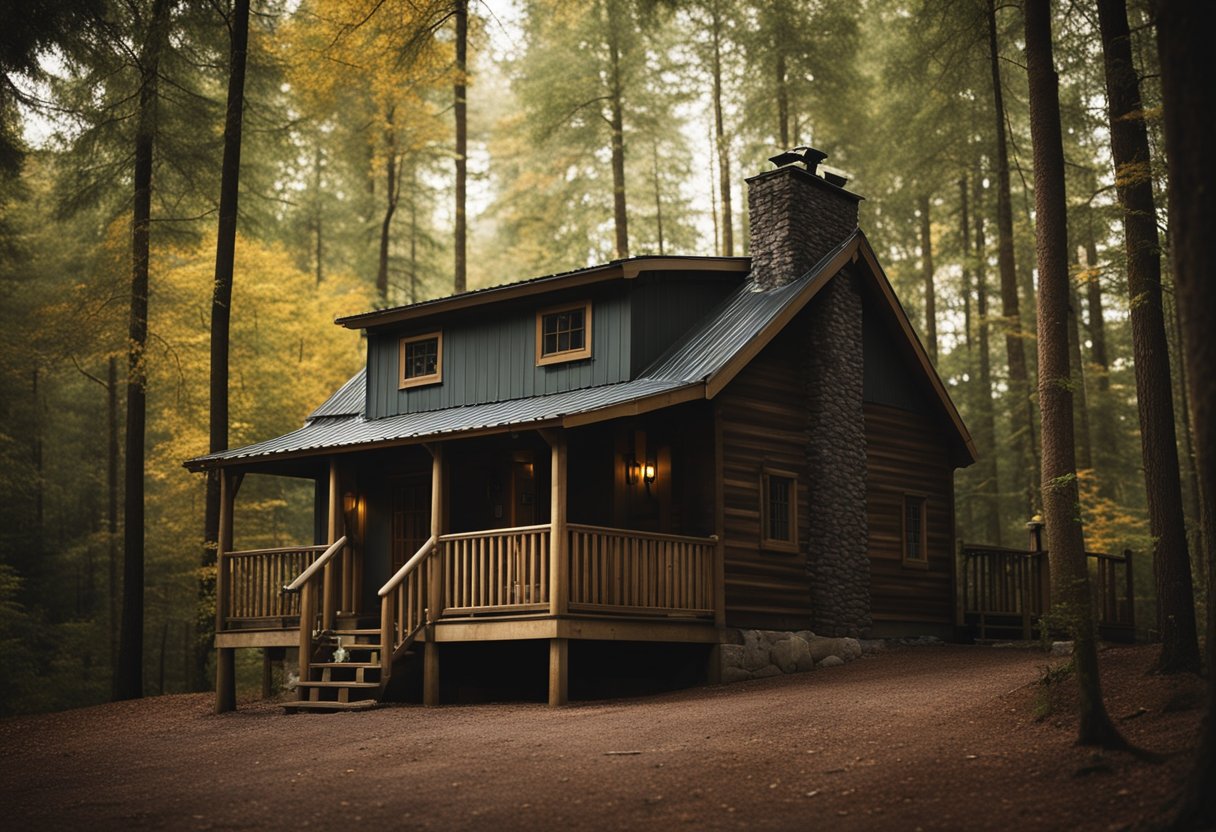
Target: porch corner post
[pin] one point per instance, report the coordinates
(225, 664)
(719, 570)
(559, 672)
(434, 579)
(329, 599)
(558, 562)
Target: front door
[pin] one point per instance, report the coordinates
(523, 489)
(411, 517)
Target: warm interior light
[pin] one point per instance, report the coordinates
(649, 472)
(349, 502)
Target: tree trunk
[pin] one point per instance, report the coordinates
(128, 682)
(221, 312)
(783, 101)
(713, 197)
(964, 233)
(413, 202)
(1188, 84)
(462, 139)
(990, 485)
(728, 238)
(1085, 459)
(112, 506)
(391, 195)
(658, 197)
(618, 143)
(1019, 377)
(1065, 543)
(318, 222)
(1104, 416)
(1154, 395)
(926, 253)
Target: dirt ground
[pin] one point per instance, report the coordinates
(916, 738)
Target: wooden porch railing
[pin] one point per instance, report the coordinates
(405, 604)
(1004, 592)
(495, 571)
(308, 585)
(623, 571)
(254, 582)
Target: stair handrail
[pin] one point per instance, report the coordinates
(409, 566)
(316, 566)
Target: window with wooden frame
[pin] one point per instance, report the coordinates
(421, 360)
(563, 333)
(779, 510)
(915, 533)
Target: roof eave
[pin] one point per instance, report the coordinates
(616, 270)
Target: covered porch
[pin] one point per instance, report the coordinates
(601, 532)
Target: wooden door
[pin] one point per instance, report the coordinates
(411, 517)
(523, 489)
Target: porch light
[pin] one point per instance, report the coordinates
(649, 472)
(349, 503)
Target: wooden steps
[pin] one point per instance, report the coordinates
(330, 707)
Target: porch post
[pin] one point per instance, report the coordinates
(558, 563)
(225, 670)
(329, 591)
(559, 671)
(434, 579)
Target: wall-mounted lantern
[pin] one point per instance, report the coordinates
(648, 471)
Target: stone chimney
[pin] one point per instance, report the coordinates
(796, 216)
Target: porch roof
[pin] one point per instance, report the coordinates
(697, 366)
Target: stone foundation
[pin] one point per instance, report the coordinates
(757, 654)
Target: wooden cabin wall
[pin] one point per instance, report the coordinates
(492, 357)
(907, 454)
(762, 418)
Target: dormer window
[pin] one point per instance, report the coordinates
(421, 360)
(563, 333)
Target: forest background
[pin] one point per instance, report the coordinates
(595, 130)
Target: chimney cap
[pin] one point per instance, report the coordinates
(809, 156)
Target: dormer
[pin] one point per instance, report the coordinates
(553, 334)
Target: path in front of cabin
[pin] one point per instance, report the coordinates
(920, 737)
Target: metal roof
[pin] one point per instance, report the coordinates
(326, 432)
(690, 366)
(624, 269)
(348, 401)
(708, 346)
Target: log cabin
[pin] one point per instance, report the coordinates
(656, 451)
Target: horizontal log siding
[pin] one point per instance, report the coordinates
(763, 422)
(906, 454)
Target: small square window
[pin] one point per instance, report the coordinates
(563, 333)
(421, 360)
(915, 534)
(779, 510)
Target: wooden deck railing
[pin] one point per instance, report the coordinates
(624, 571)
(254, 580)
(405, 600)
(1004, 592)
(495, 571)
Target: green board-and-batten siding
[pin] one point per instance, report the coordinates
(490, 356)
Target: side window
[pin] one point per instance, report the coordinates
(779, 510)
(421, 360)
(563, 333)
(915, 537)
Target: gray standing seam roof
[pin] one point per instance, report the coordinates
(702, 351)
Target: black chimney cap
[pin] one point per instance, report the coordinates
(809, 156)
